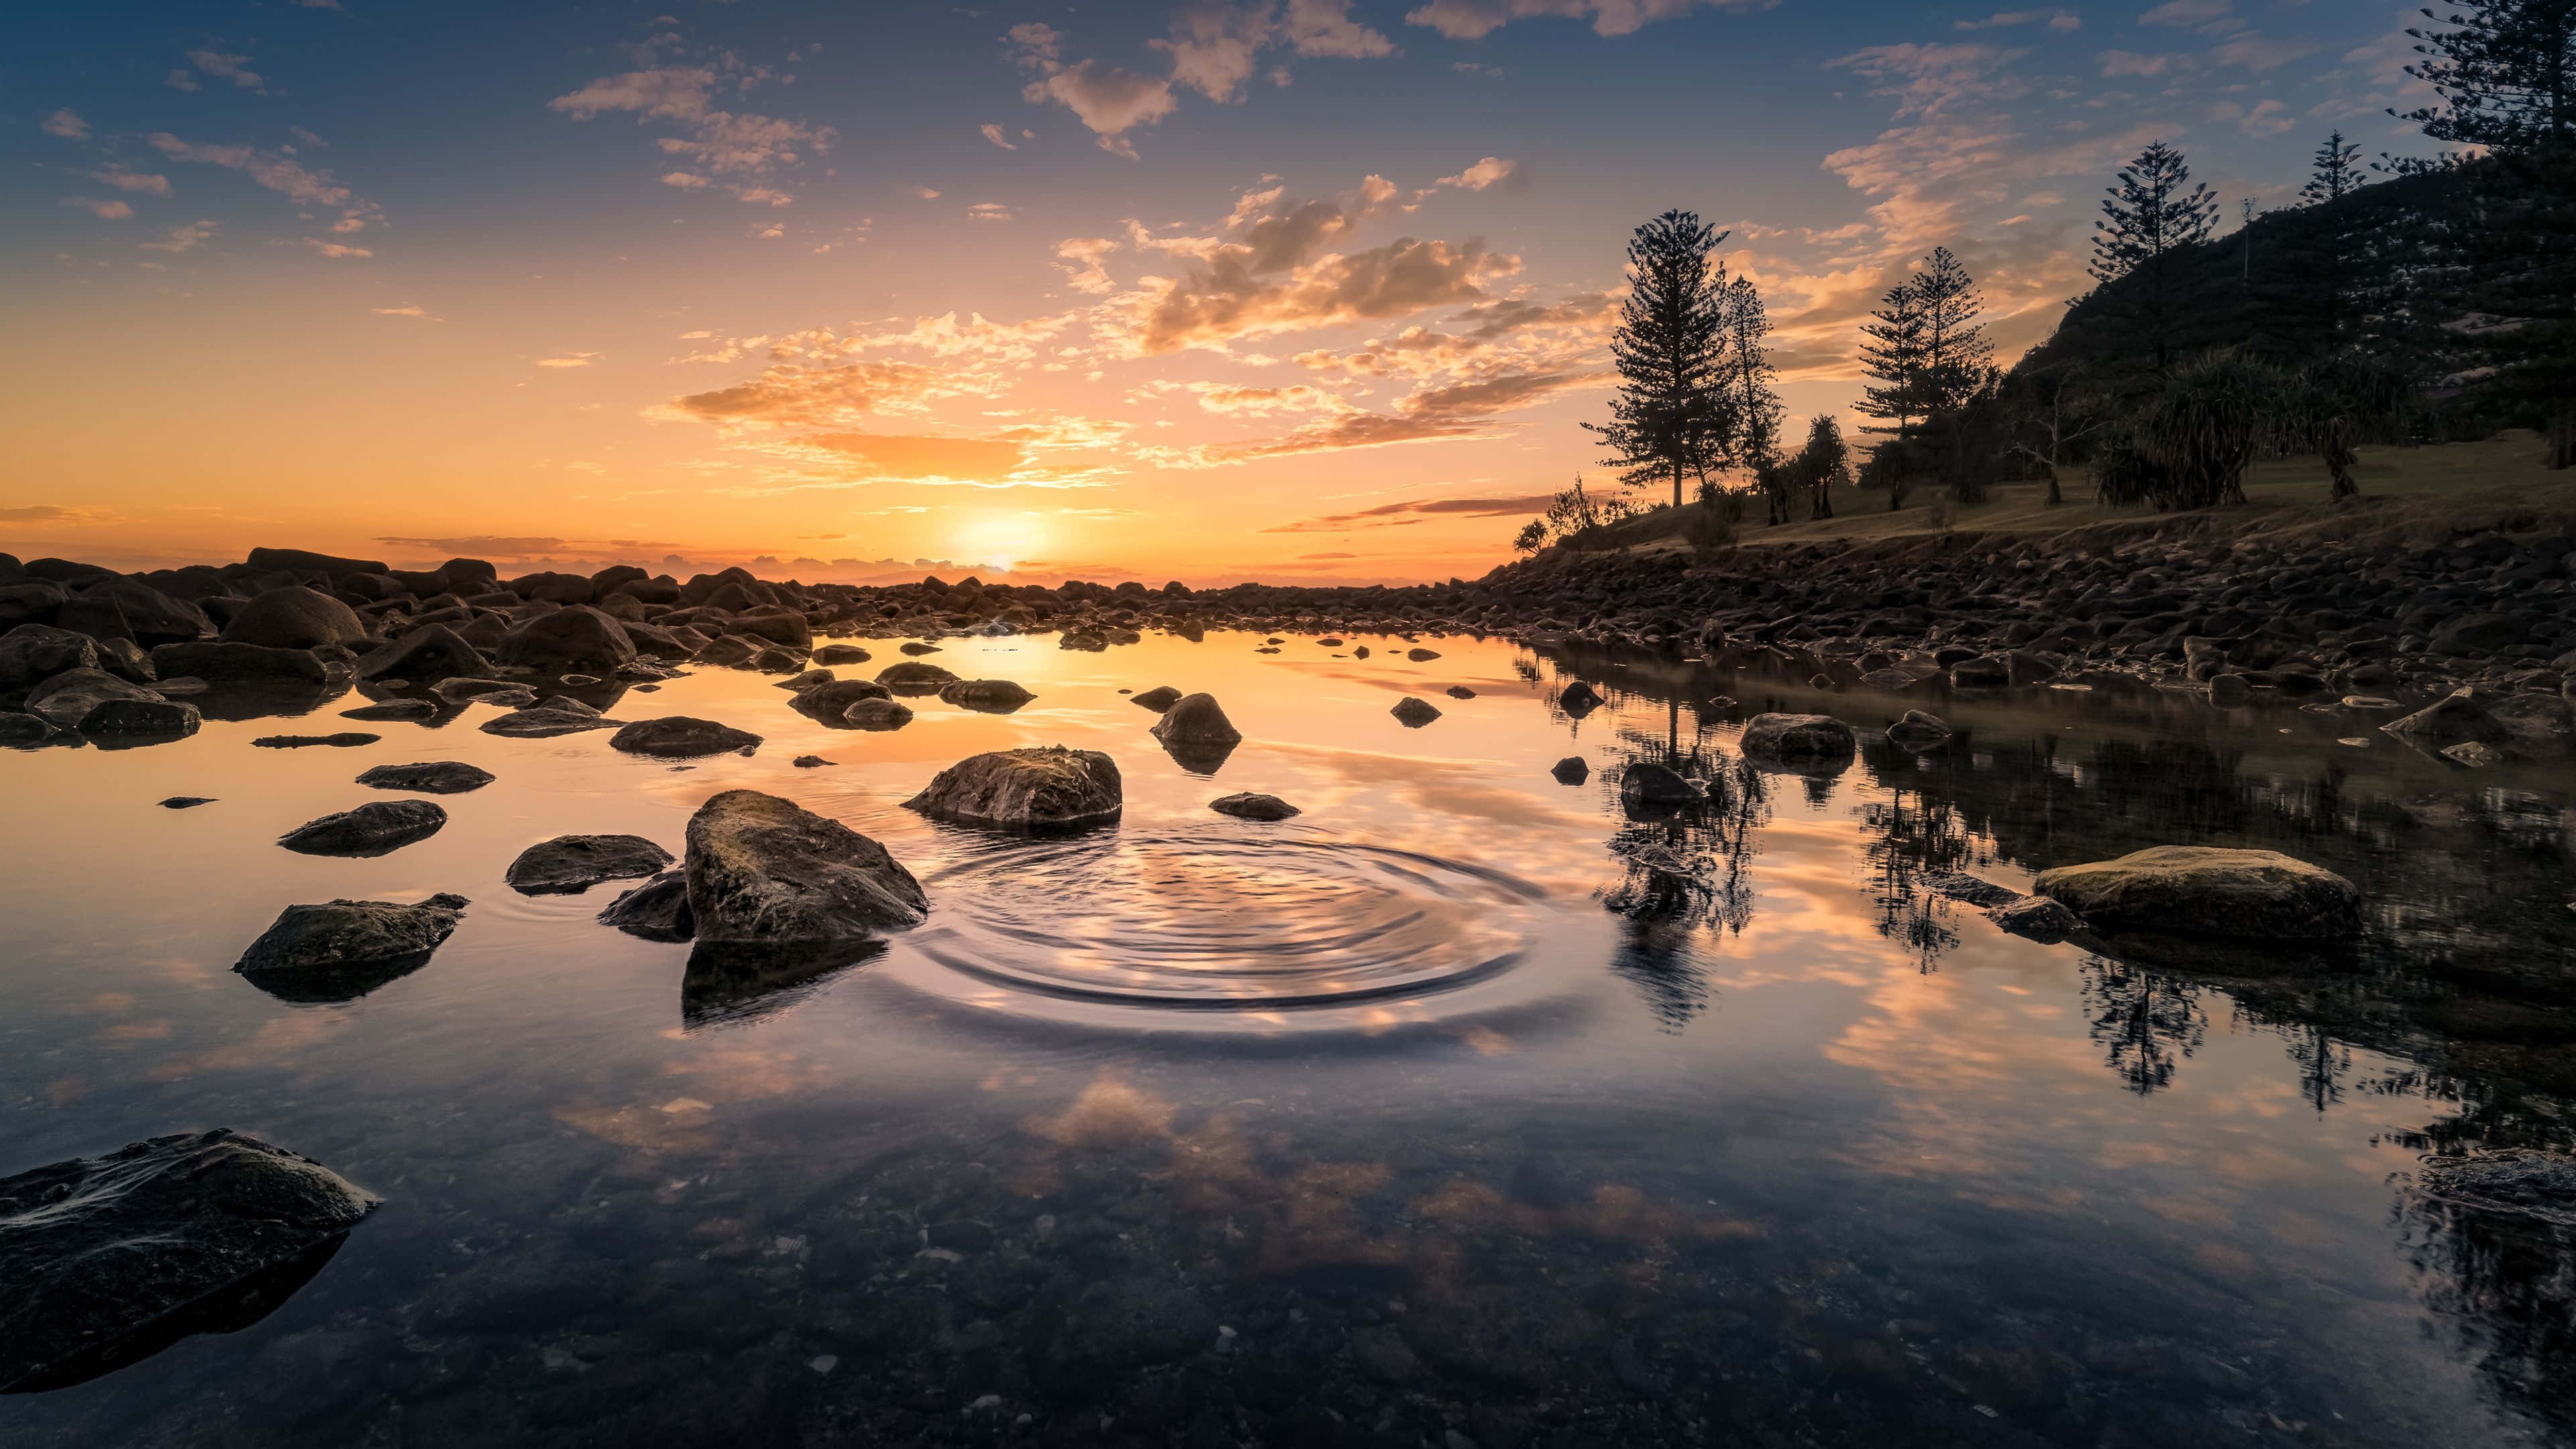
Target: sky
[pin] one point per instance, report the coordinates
(1280, 289)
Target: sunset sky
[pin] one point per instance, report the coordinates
(1302, 289)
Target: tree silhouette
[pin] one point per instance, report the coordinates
(2506, 72)
(2337, 172)
(1669, 419)
(1891, 352)
(2146, 1023)
(2148, 216)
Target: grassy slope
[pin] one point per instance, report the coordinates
(2401, 486)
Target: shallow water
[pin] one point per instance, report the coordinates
(1460, 1106)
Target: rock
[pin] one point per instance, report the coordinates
(1383, 1355)
(163, 718)
(241, 663)
(810, 679)
(576, 639)
(990, 696)
(1981, 673)
(1958, 885)
(2468, 752)
(1414, 713)
(1460, 691)
(1421, 656)
(111, 1259)
(2229, 691)
(344, 740)
(2457, 718)
(378, 827)
(809, 762)
(1571, 770)
(2542, 725)
(763, 869)
(914, 677)
(1049, 788)
(295, 617)
(1887, 680)
(1083, 640)
(1249, 806)
(187, 802)
(1919, 731)
(570, 863)
(1798, 739)
(426, 655)
(1647, 784)
(392, 710)
(1158, 699)
(876, 714)
(430, 777)
(23, 729)
(150, 616)
(319, 952)
(681, 736)
(830, 703)
(1196, 719)
(841, 654)
(657, 910)
(2038, 918)
(304, 561)
(2208, 891)
(548, 720)
(2478, 634)
(491, 691)
(32, 653)
(916, 647)
(65, 699)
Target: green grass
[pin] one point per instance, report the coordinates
(2399, 485)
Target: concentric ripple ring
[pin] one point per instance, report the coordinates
(1213, 922)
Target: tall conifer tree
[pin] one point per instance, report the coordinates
(1891, 351)
(2148, 216)
(1667, 421)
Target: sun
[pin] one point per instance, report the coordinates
(999, 541)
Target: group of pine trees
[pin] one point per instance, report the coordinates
(2329, 337)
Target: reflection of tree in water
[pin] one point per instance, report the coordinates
(2506, 1279)
(2146, 1022)
(1683, 872)
(1915, 837)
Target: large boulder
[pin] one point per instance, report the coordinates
(140, 719)
(220, 662)
(33, 653)
(378, 827)
(2208, 891)
(110, 1259)
(2456, 718)
(430, 777)
(295, 617)
(342, 949)
(67, 698)
(571, 863)
(424, 656)
(841, 654)
(153, 617)
(579, 640)
(681, 737)
(1048, 788)
(763, 869)
(828, 702)
(1798, 740)
(1196, 719)
(303, 561)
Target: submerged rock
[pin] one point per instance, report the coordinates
(765, 869)
(343, 740)
(430, 777)
(1158, 699)
(1645, 783)
(1579, 699)
(877, 714)
(841, 654)
(1799, 740)
(2209, 891)
(378, 827)
(830, 702)
(140, 718)
(111, 1259)
(1414, 713)
(657, 910)
(571, 863)
(547, 719)
(680, 736)
(1048, 788)
(2456, 718)
(1250, 806)
(2037, 917)
(915, 677)
(65, 699)
(1919, 731)
(393, 709)
(1571, 770)
(991, 696)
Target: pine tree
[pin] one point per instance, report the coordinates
(1955, 349)
(1892, 352)
(1667, 420)
(2506, 72)
(2337, 172)
(2150, 216)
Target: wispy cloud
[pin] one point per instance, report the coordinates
(234, 68)
(109, 210)
(65, 124)
(1476, 19)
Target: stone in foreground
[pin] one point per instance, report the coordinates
(1798, 740)
(430, 777)
(765, 869)
(1049, 788)
(378, 827)
(680, 736)
(315, 943)
(2209, 891)
(657, 910)
(1250, 806)
(110, 1259)
(2037, 917)
(127, 718)
(571, 863)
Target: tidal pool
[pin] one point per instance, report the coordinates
(1460, 1109)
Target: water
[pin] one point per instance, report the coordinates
(1459, 1105)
